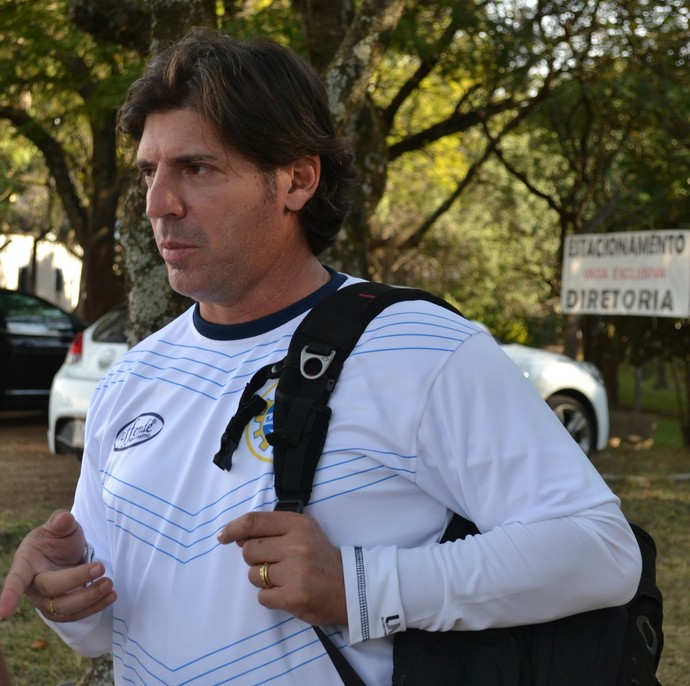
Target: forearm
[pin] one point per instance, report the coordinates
(512, 575)
(93, 635)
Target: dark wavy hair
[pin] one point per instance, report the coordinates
(264, 101)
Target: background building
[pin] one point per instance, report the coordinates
(42, 267)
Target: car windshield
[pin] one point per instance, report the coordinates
(25, 314)
(112, 326)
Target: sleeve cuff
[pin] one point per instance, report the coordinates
(372, 593)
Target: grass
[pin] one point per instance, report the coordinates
(653, 482)
(656, 398)
(653, 496)
(668, 434)
(35, 654)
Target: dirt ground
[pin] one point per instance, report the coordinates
(31, 479)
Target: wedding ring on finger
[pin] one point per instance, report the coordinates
(51, 608)
(263, 575)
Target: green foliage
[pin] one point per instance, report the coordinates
(605, 149)
(494, 253)
(273, 19)
(655, 387)
(57, 84)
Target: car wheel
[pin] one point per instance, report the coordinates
(576, 418)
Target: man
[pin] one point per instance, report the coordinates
(184, 571)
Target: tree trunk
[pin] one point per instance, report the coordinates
(151, 301)
(99, 673)
(101, 288)
(346, 47)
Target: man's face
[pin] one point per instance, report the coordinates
(219, 223)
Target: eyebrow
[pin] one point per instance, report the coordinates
(181, 160)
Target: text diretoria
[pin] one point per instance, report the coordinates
(642, 243)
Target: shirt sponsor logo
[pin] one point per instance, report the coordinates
(145, 427)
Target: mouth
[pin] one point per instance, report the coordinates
(173, 251)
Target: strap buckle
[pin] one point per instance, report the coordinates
(314, 364)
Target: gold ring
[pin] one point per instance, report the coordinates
(263, 575)
(51, 608)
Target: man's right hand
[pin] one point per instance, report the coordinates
(49, 568)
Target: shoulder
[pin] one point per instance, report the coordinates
(397, 319)
(175, 328)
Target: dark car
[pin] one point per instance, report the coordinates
(34, 338)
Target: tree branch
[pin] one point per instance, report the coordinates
(425, 68)
(415, 238)
(55, 160)
(455, 123)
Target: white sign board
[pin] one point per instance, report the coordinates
(643, 273)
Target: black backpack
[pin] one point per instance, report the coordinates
(618, 646)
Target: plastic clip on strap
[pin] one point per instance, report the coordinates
(251, 405)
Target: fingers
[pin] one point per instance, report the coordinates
(262, 577)
(61, 596)
(61, 524)
(47, 569)
(272, 536)
(63, 581)
(77, 604)
(17, 581)
(70, 608)
(70, 594)
(258, 525)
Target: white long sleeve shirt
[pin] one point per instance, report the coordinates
(429, 417)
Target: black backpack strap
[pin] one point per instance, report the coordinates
(347, 672)
(306, 378)
(317, 352)
(315, 358)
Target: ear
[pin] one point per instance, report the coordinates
(305, 174)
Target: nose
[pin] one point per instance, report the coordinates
(163, 196)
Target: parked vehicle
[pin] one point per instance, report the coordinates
(574, 390)
(92, 353)
(34, 337)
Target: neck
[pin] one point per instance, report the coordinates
(266, 298)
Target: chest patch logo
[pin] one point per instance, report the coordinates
(145, 427)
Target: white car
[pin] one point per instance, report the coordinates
(92, 353)
(574, 390)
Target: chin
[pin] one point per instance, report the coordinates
(185, 287)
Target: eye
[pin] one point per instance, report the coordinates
(198, 169)
(146, 175)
